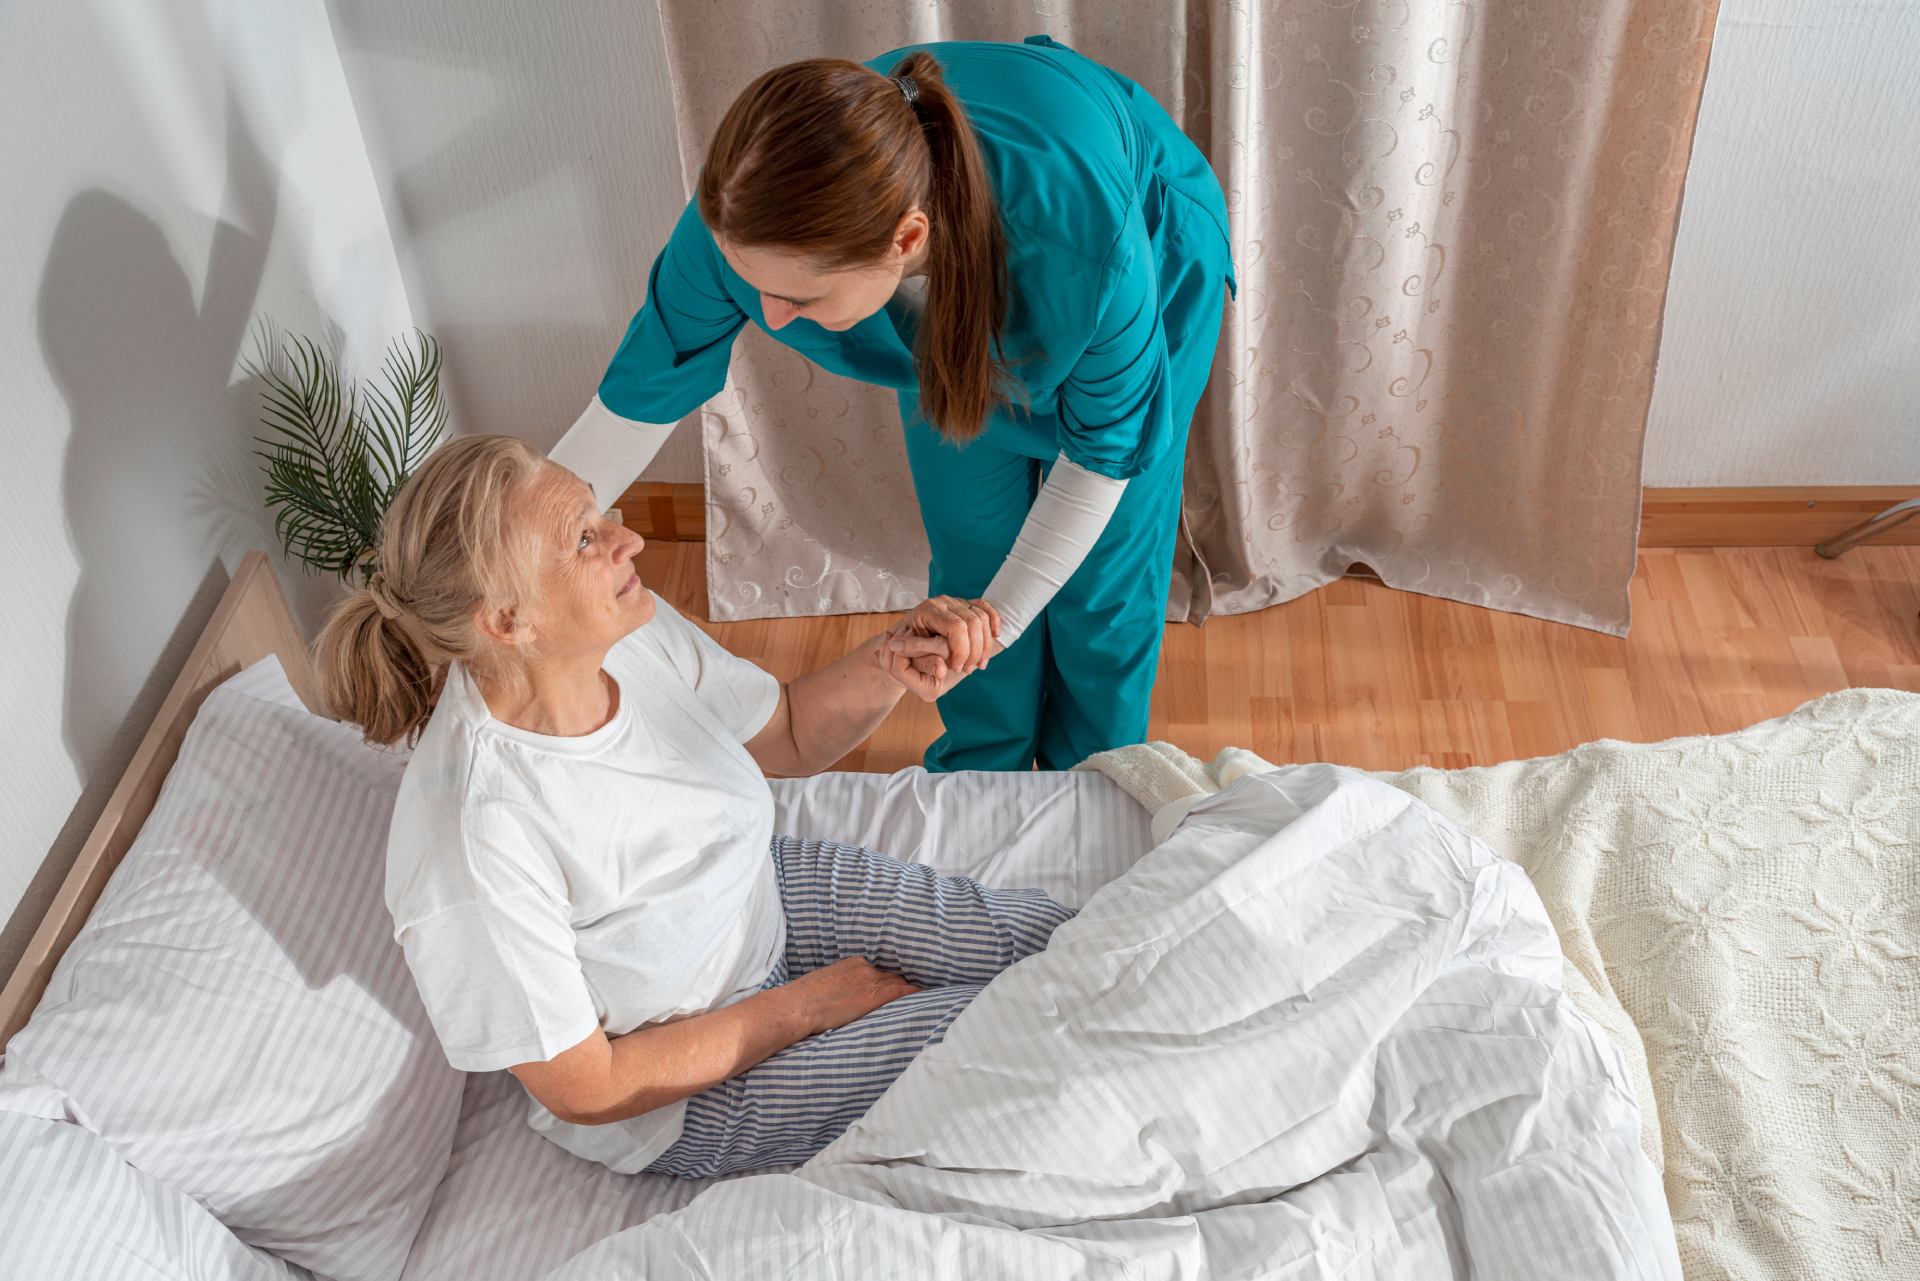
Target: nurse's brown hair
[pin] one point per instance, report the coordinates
(824, 158)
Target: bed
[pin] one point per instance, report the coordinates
(511, 1205)
(504, 1203)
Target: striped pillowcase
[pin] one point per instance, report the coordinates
(235, 1018)
(74, 1209)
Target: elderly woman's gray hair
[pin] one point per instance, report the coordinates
(449, 544)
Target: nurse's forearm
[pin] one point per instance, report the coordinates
(835, 709)
(608, 451)
(1067, 518)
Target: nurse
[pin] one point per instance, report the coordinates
(1025, 247)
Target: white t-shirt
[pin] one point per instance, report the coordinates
(542, 886)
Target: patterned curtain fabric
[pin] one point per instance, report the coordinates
(1452, 224)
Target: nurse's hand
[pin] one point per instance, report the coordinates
(968, 626)
(835, 995)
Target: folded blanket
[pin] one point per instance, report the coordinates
(1317, 1032)
(1742, 914)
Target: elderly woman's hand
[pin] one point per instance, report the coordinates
(968, 626)
(918, 663)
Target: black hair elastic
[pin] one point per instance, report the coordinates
(908, 90)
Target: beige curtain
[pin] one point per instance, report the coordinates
(1452, 223)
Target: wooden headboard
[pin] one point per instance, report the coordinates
(251, 621)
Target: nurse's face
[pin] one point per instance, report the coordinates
(793, 287)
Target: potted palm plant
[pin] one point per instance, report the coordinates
(334, 458)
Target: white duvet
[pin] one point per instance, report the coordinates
(1318, 1032)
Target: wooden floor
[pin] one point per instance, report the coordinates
(1363, 675)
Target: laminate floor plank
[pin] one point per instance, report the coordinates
(1367, 676)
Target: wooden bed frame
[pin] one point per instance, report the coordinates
(251, 622)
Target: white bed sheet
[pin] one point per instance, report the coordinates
(512, 1205)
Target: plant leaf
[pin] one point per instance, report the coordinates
(335, 457)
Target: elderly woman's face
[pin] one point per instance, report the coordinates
(590, 595)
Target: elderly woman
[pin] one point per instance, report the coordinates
(582, 868)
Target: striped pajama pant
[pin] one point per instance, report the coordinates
(947, 934)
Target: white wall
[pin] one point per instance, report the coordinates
(174, 171)
(531, 172)
(1791, 353)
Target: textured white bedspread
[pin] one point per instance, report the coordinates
(1318, 1032)
(1741, 912)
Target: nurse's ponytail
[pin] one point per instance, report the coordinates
(824, 157)
(961, 376)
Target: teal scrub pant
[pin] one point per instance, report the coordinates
(1080, 678)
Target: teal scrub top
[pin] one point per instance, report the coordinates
(1082, 160)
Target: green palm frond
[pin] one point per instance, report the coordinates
(411, 415)
(337, 457)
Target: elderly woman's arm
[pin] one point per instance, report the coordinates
(826, 714)
(605, 1079)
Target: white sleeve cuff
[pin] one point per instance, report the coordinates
(1065, 521)
(608, 451)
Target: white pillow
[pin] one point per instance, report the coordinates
(75, 1209)
(235, 1017)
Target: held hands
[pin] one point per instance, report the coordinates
(917, 663)
(968, 626)
(940, 642)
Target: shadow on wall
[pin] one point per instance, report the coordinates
(144, 357)
(535, 174)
